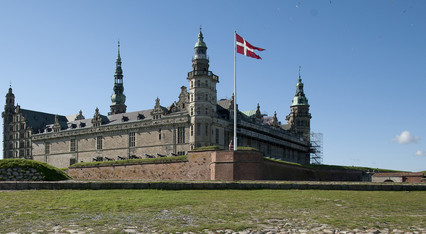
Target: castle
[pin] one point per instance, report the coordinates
(196, 119)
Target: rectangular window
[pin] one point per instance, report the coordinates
(159, 135)
(217, 136)
(198, 129)
(207, 130)
(99, 142)
(192, 130)
(132, 139)
(47, 148)
(72, 145)
(181, 135)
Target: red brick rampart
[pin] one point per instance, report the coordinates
(215, 165)
(195, 168)
(201, 165)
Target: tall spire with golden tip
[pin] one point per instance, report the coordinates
(118, 98)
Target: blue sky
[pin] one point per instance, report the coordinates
(363, 63)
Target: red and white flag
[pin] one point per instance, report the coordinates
(243, 47)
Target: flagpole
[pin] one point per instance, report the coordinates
(235, 90)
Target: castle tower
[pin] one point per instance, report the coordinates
(118, 98)
(202, 96)
(299, 118)
(7, 115)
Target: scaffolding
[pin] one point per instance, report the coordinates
(316, 148)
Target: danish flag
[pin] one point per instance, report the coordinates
(243, 47)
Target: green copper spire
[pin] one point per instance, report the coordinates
(118, 98)
(200, 42)
(299, 98)
(118, 70)
(200, 47)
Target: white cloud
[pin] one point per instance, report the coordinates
(420, 153)
(406, 138)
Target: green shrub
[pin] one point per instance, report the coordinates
(247, 148)
(49, 172)
(203, 148)
(130, 162)
(215, 147)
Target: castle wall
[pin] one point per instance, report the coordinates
(409, 177)
(236, 165)
(114, 144)
(280, 171)
(216, 165)
(196, 168)
(200, 165)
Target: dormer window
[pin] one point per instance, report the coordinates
(124, 119)
(82, 125)
(141, 116)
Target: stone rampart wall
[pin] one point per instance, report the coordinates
(195, 168)
(279, 171)
(202, 165)
(20, 174)
(359, 186)
(216, 165)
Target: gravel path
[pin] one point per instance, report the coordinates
(268, 226)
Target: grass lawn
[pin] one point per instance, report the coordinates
(196, 210)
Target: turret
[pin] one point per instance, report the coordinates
(118, 98)
(299, 118)
(202, 95)
(7, 115)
